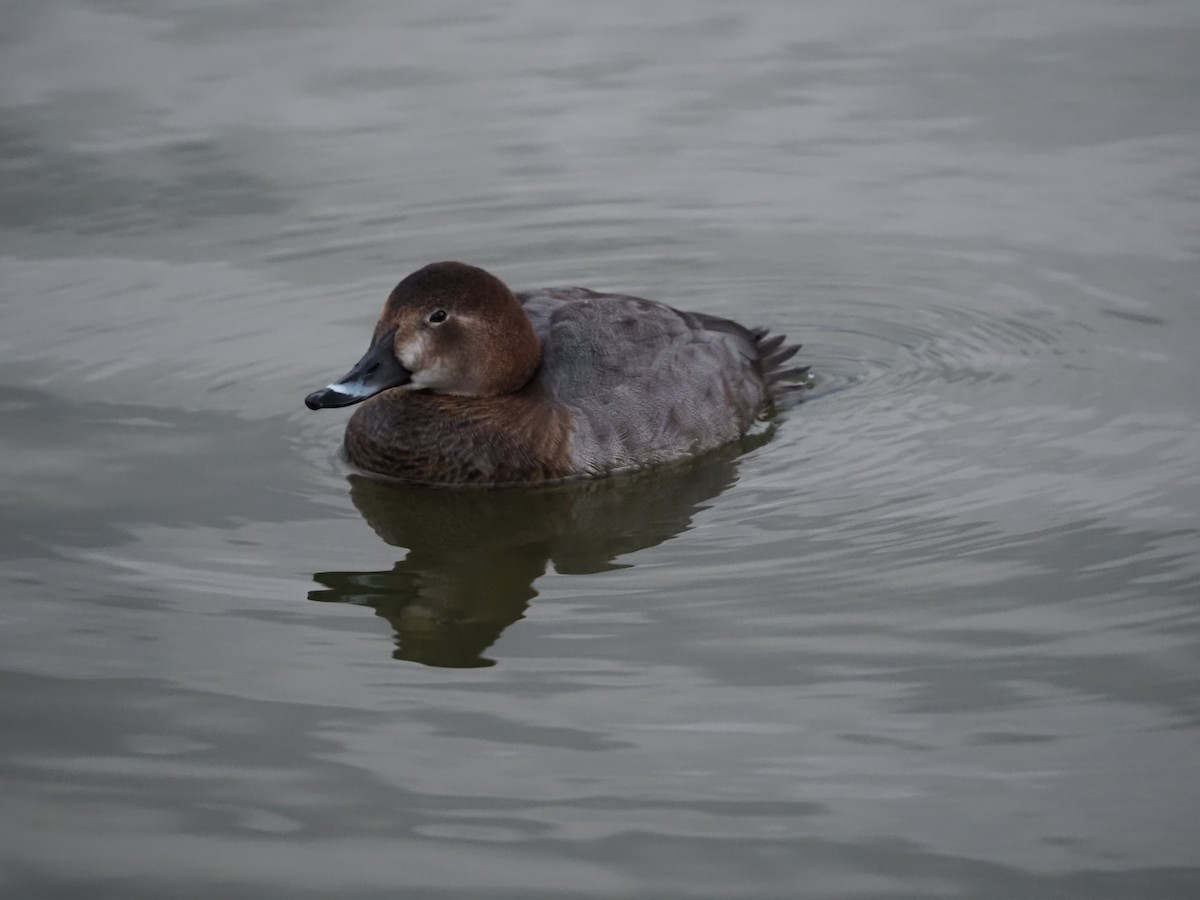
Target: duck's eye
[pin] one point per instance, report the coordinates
(437, 317)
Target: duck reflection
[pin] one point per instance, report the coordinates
(474, 555)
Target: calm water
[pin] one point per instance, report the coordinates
(935, 634)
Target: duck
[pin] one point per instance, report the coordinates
(466, 382)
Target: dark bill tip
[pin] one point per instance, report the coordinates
(328, 398)
(377, 371)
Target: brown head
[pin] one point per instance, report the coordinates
(449, 328)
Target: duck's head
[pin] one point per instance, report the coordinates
(449, 328)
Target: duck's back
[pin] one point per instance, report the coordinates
(645, 383)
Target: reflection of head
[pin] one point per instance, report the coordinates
(445, 611)
(473, 554)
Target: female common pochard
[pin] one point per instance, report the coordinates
(466, 382)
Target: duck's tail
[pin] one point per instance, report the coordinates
(773, 355)
(768, 353)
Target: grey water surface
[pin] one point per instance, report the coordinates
(934, 632)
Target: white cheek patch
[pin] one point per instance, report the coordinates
(429, 371)
(412, 353)
(430, 377)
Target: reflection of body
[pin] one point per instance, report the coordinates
(498, 388)
(473, 556)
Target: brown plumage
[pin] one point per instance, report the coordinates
(468, 383)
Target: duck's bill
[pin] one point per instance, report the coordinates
(377, 371)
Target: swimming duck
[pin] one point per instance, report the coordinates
(466, 382)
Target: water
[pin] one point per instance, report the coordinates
(935, 633)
